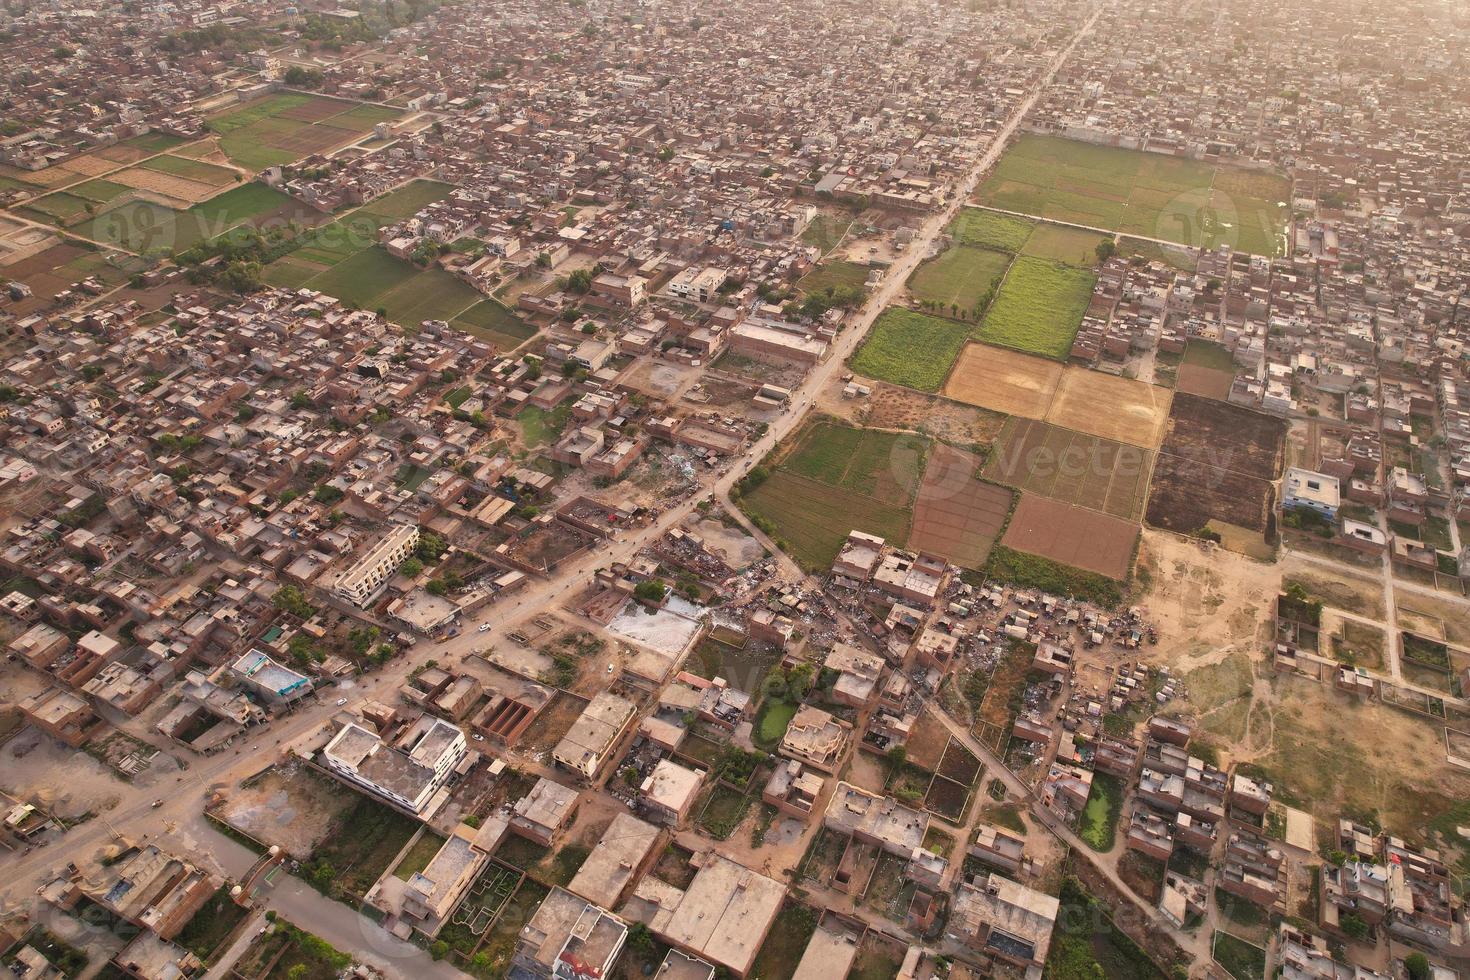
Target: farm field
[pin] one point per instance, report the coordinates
(960, 277)
(956, 515)
(826, 231)
(1059, 243)
(979, 228)
(1139, 193)
(1115, 408)
(51, 270)
(140, 226)
(1073, 536)
(834, 274)
(1072, 467)
(835, 479)
(892, 407)
(1217, 462)
(1004, 381)
(285, 127)
(910, 349)
(1038, 308)
(197, 170)
(489, 320)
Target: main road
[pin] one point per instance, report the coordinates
(135, 817)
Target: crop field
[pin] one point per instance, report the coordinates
(979, 228)
(834, 274)
(283, 128)
(54, 269)
(910, 349)
(1217, 463)
(1207, 370)
(1004, 381)
(826, 231)
(835, 479)
(959, 278)
(1059, 243)
(956, 515)
(1139, 193)
(489, 320)
(1072, 535)
(197, 170)
(1115, 408)
(1072, 467)
(814, 519)
(1038, 308)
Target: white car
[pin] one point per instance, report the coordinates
(484, 627)
(341, 702)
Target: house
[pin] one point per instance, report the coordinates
(1303, 489)
(1004, 919)
(816, 738)
(590, 742)
(567, 938)
(669, 792)
(541, 814)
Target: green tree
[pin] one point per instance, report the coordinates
(1417, 965)
(651, 590)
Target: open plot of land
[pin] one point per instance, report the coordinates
(826, 231)
(957, 515)
(1217, 461)
(833, 274)
(1145, 194)
(885, 465)
(991, 229)
(1072, 535)
(892, 407)
(1003, 381)
(196, 170)
(960, 277)
(292, 806)
(176, 190)
(1038, 308)
(1115, 408)
(1072, 467)
(910, 349)
(1206, 370)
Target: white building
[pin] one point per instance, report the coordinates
(407, 774)
(359, 582)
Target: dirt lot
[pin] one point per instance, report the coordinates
(1086, 470)
(1003, 381)
(892, 407)
(292, 806)
(1072, 535)
(957, 515)
(1225, 436)
(1115, 408)
(927, 742)
(1185, 495)
(1205, 601)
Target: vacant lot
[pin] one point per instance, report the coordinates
(491, 321)
(1072, 535)
(892, 407)
(1137, 193)
(959, 278)
(1039, 307)
(989, 229)
(910, 349)
(1072, 467)
(1217, 462)
(958, 516)
(1004, 381)
(1115, 408)
(833, 275)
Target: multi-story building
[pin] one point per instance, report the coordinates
(361, 581)
(406, 775)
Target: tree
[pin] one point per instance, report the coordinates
(1418, 966)
(439, 949)
(290, 599)
(411, 567)
(897, 756)
(651, 590)
(296, 972)
(430, 547)
(1105, 249)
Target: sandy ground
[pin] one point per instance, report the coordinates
(667, 631)
(737, 548)
(291, 806)
(1114, 408)
(37, 768)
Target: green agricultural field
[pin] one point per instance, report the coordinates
(406, 201)
(833, 275)
(959, 278)
(101, 191)
(1039, 308)
(867, 461)
(152, 142)
(364, 278)
(989, 229)
(432, 294)
(1136, 193)
(62, 207)
(285, 127)
(205, 173)
(489, 320)
(1059, 243)
(812, 520)
(910, 349)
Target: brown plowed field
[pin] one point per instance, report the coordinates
(957, 515)
(1115, 408)
(1003, 381)
(1218, 461)
(1072, 467)
(1072, 535)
